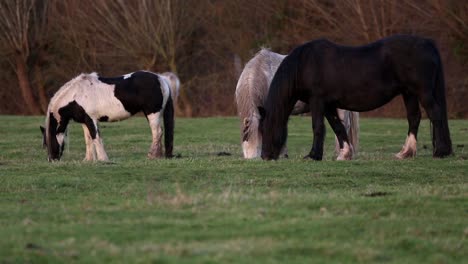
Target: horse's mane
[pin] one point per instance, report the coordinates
(253, 83)
(64, 91)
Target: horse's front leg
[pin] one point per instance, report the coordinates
(90, 153)
(318, 126)
(92, 125)
(154, 121)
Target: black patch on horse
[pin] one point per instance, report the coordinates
(53, 147)
(139, 92)
(103, 119)
(74, 111)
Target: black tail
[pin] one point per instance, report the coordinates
(441, 142)
(169, 127)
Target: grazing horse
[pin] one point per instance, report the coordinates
(251, 91)
(88, 99)
(330, 76)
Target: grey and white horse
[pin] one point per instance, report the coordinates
(251, 91)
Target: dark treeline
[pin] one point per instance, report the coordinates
(44, 43)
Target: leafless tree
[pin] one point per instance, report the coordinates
(23, 26)
(143, 34)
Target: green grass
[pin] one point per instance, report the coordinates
(205, 208)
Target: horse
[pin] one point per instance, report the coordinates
(89, 99)
(251, 92)
(357, 78)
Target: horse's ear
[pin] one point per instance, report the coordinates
(262, 112)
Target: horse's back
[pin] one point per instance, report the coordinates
(347, 75)
(117, 98)
(252, 86)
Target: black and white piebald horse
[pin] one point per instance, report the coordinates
(89, 99)
(330, 76)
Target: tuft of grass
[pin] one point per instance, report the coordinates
(211, 206)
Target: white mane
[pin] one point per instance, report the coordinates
(251, 91)
(67, 88)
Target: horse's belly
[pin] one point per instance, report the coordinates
(117, 116)
(362, 100)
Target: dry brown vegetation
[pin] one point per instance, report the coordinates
(45, 43)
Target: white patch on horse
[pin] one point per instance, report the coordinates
(128, 75)
(251, 150)
(409, 148)
(60, 138)
(99, 100)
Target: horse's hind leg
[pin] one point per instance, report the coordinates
(90, 153)
(154, 121)
(413, 114)
(335, 121)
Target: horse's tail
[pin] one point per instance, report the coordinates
(350, 121)
(169, 127)
(441, 142)
(354, 131)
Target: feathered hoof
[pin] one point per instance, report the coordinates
(343, 156)
(405, 154)
(154, 156)
(442, 152)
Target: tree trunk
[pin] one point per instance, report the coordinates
(31, 105)
(40, 88)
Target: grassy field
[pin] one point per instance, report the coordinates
(209, 208)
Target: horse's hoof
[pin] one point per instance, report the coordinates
(405, 155)
(442, 152)
(313, 157)
(348, 156)
(343, 158)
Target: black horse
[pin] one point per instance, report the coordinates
(330, 76)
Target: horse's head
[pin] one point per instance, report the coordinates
(273, 136)
(53, 141)
(251, 137)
